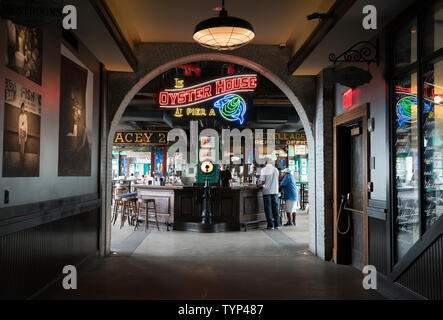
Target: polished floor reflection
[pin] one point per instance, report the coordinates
(256, 264)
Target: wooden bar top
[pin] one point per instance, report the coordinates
(143, 186)
(251, 187)
(182, 205)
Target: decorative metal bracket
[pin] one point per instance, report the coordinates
(363, 51)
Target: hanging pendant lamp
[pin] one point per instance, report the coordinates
(223, 32)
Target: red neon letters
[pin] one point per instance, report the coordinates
(206, 91)
(191, 69)
(179, 98)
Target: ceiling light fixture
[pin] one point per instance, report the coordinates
(223, 32)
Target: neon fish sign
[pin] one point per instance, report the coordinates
(172, 98)
(406, 110)
(232, 107)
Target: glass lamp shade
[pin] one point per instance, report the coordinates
(223, 33)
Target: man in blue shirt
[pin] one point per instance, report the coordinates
(290, 195)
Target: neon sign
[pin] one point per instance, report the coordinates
(428, 92)
(172, 98)
(406, 110)
(179, 83)
(232, 107)
(194, 112)
(191, 69)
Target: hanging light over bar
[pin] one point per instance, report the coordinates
(223, 32)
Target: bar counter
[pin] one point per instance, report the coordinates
(182, 206)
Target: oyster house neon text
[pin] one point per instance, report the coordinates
(171, 98)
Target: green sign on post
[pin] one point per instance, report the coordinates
(207, 155)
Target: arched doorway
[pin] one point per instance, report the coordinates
(277, 81)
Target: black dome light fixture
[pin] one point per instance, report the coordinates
(223, 32)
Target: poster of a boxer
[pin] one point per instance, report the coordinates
(21, 144)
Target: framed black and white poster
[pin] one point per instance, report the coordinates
(21, 139)
(24, 51)
(74, 137)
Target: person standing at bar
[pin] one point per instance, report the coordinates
(290, 195)
(269, 180)
(225, 176)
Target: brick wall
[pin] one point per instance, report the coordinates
(324, 162)
(271, 61)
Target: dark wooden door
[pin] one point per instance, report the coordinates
(351, 176)
(356, 188)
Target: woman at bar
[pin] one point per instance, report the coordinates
(290, 195)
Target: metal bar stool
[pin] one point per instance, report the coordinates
(129, 210)
(146, 202)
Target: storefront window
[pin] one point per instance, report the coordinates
(433, 28)
(433, 142)
(417, 145)
(405, 44)
(406, 164)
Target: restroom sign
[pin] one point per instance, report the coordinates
(173, 98)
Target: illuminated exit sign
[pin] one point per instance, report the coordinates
(347, 99)
(173, 98)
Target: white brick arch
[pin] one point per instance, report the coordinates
(283, 85)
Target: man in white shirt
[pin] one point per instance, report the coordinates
(269, 180)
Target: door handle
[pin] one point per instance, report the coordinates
(353, 210)
(348, 199)
(348, 204)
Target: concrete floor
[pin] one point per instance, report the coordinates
(257, 264)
